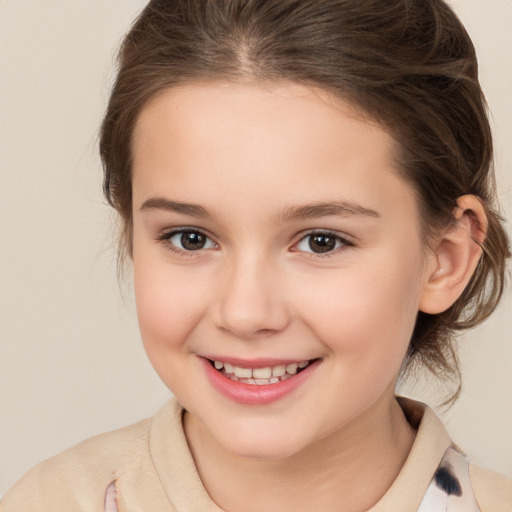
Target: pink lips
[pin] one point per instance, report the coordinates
(250, 394)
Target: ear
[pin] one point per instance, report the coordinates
(455, 256)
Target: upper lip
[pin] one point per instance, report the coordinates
(255, 363)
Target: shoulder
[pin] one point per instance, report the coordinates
(77, 478)
(492, 490)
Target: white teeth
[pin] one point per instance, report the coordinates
(292, 368)
(244, 373)
(260, 376)
(262, 373)
(279, 370)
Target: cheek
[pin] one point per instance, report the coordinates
(169, 304)
(367, 310)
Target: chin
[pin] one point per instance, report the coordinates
(267, 444)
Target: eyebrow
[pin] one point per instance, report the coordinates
(161, 203)
(303, 212)
(324, 209)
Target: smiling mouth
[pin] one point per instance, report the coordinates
(261, 376)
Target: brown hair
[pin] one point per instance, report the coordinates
(408, 64)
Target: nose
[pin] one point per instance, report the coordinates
(251, 301)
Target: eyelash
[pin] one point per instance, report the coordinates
(165, 239)
(343, 242)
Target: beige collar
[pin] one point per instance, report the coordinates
(177, 472)
(407, 491)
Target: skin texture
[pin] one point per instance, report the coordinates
(248, 155)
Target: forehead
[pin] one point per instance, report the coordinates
(251, 110)
(281, 139)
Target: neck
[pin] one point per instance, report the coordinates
(350, 470)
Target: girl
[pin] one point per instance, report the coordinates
(306, 196)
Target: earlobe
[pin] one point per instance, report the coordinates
(455, 257)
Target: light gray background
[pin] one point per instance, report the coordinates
(71, 362)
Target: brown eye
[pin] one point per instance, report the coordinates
(321, 243)
(190, 241)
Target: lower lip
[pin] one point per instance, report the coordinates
(253, 394)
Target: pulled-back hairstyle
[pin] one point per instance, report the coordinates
(407, 64)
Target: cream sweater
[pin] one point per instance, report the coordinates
(147, 467)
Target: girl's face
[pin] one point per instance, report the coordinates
(271, 229)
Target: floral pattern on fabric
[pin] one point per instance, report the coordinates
(450, 489)
(110, 498)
